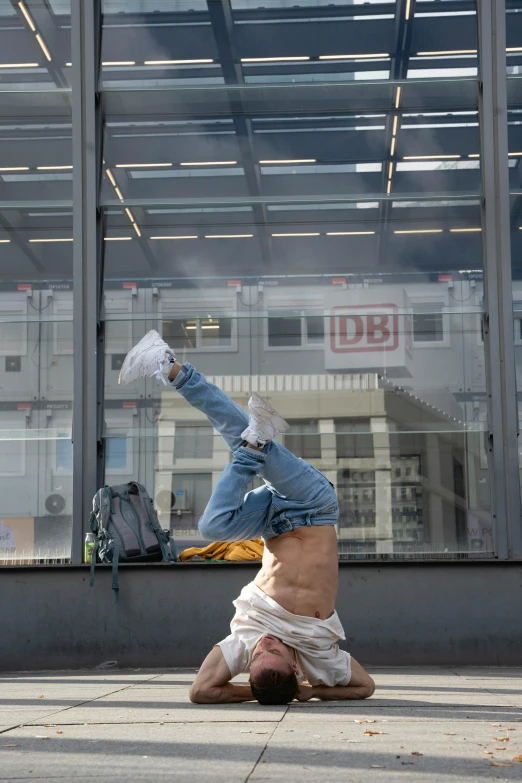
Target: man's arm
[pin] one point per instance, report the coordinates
(361, 686)
(212, 684)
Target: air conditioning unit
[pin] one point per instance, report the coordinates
(55, 503)
(171, 502)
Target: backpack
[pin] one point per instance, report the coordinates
(126, 529)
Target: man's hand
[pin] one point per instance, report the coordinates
(305, 692)
(212, 684)
(361, 686)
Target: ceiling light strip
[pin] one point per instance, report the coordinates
(463, 230)
(296, 160)
(141, 165)
(120, 62)
(54, 239)
(136, 229)
(187, 236)
(53, 168)
(209, 163)
(111, 177)
(379, 55)
(398, 97)
(431, 157)
(43, 47)
(19, 65)
(177, 62)
(306, 234)
(27, 15)
(449, 52)
(420, 231)
(273, 59)
(228, 236)
(14, 168)
(349, 233)
(117, 239)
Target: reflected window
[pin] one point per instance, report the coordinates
(295, 330)
(116, 454)
(303, 439)
(315, 329)
(64, 456)
(284, 332)
(180, 332)
(428, 324)
(216, 332)
(199, 333)
(193, 441)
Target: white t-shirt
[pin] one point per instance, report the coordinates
(319, 659)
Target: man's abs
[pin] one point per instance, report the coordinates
(300, 570)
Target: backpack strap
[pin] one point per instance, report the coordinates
(115, 585)
(166, 548)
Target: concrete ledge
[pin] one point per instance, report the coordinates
(436, 613)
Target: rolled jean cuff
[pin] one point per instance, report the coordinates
(181, 377)
(257, 456)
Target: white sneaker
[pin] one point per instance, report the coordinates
(264, 422)
(150, 357)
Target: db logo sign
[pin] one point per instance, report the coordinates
(364, 328)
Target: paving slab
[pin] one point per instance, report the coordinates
(181, 710)
(186, 752)
(341, 750)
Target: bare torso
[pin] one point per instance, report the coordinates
(300, 570)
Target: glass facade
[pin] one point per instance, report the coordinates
(292, 195)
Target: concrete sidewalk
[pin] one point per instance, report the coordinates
(432, 724)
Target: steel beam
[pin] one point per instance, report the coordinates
(223, 27)
(87, 264)
(496, 248)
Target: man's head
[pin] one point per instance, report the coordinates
(273, 671)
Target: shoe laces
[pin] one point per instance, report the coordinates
(160, 361)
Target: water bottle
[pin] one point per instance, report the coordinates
(89, 547)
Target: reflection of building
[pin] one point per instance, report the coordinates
(396, 426)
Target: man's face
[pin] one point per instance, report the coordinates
(271, 653)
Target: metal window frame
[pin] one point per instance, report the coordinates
(496, 249)
(88, 327)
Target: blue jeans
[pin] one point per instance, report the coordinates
(295, 493)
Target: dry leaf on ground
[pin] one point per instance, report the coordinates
(365, 721)
(500, 764)
(518, 758)
(416, 753)
(496, 725)
(371, 733)
(450, 734)
(501, 739)
(488, 752)
(510, 728)
(40, 697)
(59, 732)
(11, 746)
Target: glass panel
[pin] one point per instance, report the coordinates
(514, 69)
(36, 378)
(309, 229)
(35, 282)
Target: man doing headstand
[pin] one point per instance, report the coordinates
(285, 629)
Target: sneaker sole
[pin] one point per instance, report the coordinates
(143, 345)
(267, 412)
